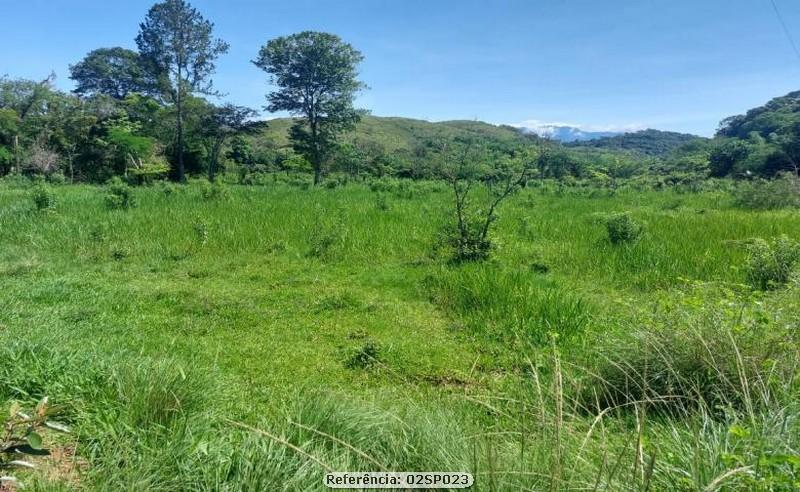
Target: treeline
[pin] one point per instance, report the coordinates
(145, 114)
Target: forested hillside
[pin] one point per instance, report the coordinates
(765, 140)
(647, 142)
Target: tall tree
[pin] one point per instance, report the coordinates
(316, 78)
(115, 72)
(177, 48)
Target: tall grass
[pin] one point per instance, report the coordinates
(176, 335)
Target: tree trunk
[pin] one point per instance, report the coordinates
(179, 107)
(180, 138)
(212, 166)
(317, 173)
(16, 155)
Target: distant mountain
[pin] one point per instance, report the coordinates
(648, 142)
(566, 133)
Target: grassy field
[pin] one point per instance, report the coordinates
(328, 320)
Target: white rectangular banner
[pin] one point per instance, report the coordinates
(398, 480)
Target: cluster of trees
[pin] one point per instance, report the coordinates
(765, 141)
(143, 114)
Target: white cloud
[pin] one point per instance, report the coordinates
(546, 128)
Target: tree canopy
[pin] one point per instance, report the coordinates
(317, 79)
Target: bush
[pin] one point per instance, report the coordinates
(770, 264)
(43, 198)
(167, 188)
(762, 194)
(706, 347)
(57, 178)
(119, 195)
(622, 228)
(213, 191)
(328, 234)
(365, 357)
(468, 243)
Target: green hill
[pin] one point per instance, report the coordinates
(647, 142)
(395, 134)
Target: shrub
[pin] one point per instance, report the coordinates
(622, 228)
(365, 357)
(119, 195)
(43, 198)
(707, 347)
(762, 194)
(770, 264)
(381, 203)
(200, 231)
(213, 191)
(468, 242)
(167, 188)
(327, 235)
(57, 178)
(21, 434)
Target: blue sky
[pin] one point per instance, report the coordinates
(670, 64)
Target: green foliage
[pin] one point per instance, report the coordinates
(325, 62)
(770, 263)
(513, 307)
(622, 228)
(22, 434)
(364, 357)
(119, 195)
(497, 176)
(115, 72)
(43, 198)
(213, 191)
(761, 194)
(705, 347)
(328, 235)
(471, 381)
(646, 142)
(175, 39)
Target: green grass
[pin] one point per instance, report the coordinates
(159, 325)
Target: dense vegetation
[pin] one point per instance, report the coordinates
(647, 142)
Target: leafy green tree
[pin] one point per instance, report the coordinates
(726, 156)
(223, 122)
(178, 50)
(316, 75)
(115, 72)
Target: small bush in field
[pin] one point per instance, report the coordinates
(328, 234)
(213, 191)
(468, 243)
(770, 263)
(167, 188)
(43, 198)
(200, 231)
(119, 195)
(365, 357)
(622, 228)
(57, 178)
(381, 203)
